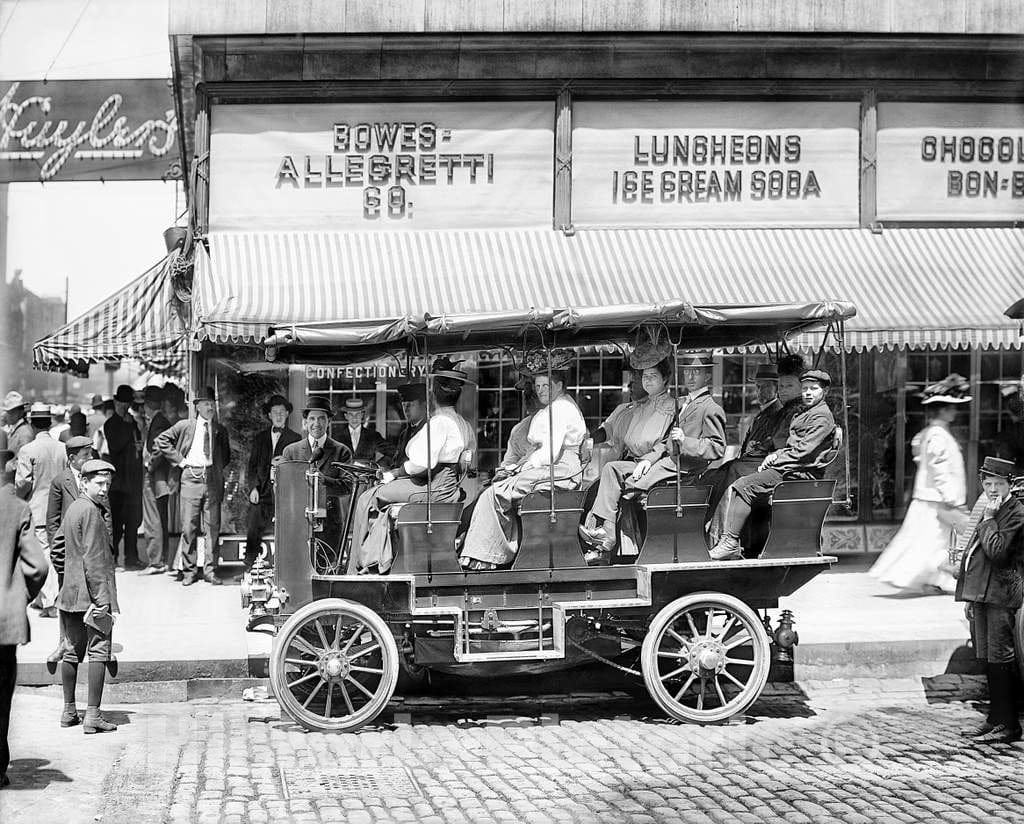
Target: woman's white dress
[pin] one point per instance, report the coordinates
(912, 559)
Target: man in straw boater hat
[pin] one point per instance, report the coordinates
(200, 448)
(435, 452)
(88, 594)
(366, 444)
(321, 451)
(810, 438)
(991, 581)
(38, 463)
(268, 447)
(695, 437)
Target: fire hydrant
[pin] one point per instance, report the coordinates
(784, 639)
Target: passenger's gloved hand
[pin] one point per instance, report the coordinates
(387, 477)
(641, 469)
(768, 461)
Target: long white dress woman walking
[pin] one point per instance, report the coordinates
(912, 559)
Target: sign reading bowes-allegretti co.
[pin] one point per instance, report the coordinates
(87, 130)
(381, 166)
(696, 163)
(950, 162)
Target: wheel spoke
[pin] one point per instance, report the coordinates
(337, 632)
(370, 670)
(355, 634)
(359, 686)
(741, 662)
(348, 699)
(693, 626)
(363, 652)
(663, 654)
(303, 679)
(721, 695)
(686, 686)
(321, 633)
(725, 630)
(737, 682)
(304, 646)
(700, 696)
(709, 617)
(684, 641)
(676, 672)
(738, 640)
(327, 708)
(309, 698)
(300, 662)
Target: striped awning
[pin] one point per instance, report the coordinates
(912, 287)
(138, 322)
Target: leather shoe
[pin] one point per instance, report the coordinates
(96, 723)
(70, 719)
(48, 612)
(727, 549)
(134, 566)
(188, 580)
(210, 578)
(156, 569)
(977, 729)
(597, 557)
(177, 576)
(999, 734)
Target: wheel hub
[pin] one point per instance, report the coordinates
(709, 657)
(334, 666)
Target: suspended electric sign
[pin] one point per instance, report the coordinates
(87, 130)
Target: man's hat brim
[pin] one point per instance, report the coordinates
(95, 466)
(76, 443)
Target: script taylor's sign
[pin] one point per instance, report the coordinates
(87, 130)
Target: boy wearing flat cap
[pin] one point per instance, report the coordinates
(88, 593)
(991, 581)
(804, 456)
(267, 448)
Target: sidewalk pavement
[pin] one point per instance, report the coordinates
(182, 640)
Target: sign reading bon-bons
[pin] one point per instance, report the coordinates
(382, 166)
(670, 163)
(950, 162)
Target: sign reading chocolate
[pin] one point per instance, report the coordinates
(672, 163)
(950, 162)
(87, 130)
(378, 166)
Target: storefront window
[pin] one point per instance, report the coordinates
(739, 394)
(1000, 413)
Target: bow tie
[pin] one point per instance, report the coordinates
(277, 430)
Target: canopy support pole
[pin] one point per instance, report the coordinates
(841, 339)
(551, 440)
(427, 378)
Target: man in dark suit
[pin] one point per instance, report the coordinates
(414, 406)
(124, 446)
(200, 448)
(320, 451)
(267, 446)
(23, 569)
(156, 487)
(366, 444)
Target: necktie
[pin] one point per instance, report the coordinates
(277, 430)
(207, 451)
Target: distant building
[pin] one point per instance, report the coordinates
(26, 317)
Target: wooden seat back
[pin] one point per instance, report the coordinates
(675, 534)
(798, 510)
(420, 552)
(546, 543)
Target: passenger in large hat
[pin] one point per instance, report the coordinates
(807, 450)
(413, 398)
(991, 582)
(556, 432)
(643, 427)
(88, 595)
(321, 451)
(435, 450)
(267, 451)
(200, 448)
(693, 438)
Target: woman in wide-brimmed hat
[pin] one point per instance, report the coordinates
(438, 456)
(555, 434)
(911, 561)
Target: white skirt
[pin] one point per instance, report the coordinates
(911, 561)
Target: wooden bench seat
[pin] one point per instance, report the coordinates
(798, 510)
(546, 542)
(419, 552)
(675, 534)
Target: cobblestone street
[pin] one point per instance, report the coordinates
(851, 754)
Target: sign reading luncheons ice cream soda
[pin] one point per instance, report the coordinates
(940, 161)
(381, 166)
(672, 163)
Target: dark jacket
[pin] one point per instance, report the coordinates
(154, 462)
(703, 423)
(175, 443)
(396, 454)
(124, 445)
(810, 437)
(300, 451)
(992, 569)
(86, 558)
(257, 475)
(760, 437)
(23, 567)
(63, 493)
(370, 444)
